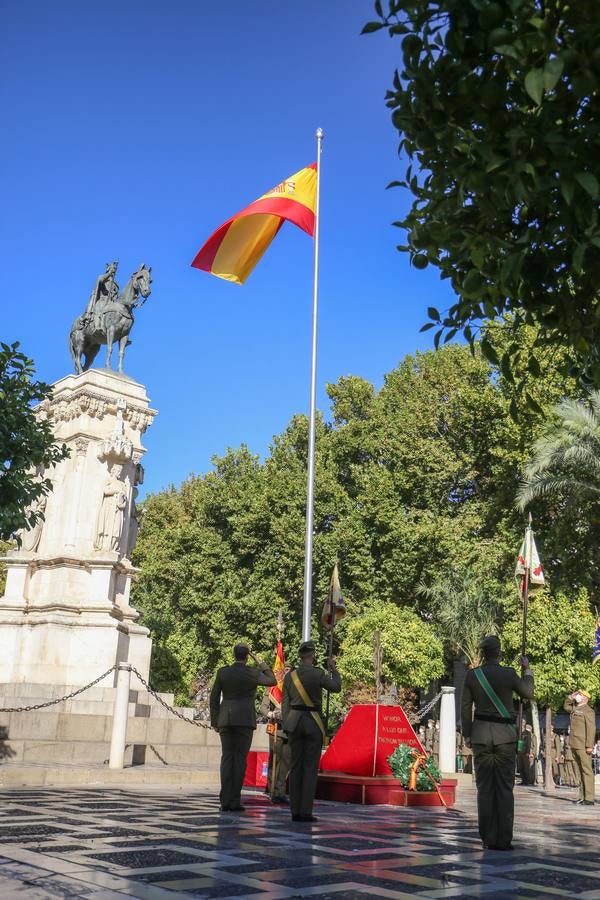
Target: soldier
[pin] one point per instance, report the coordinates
(582, 734)
(571, 771)
(436, 742)
(493, 737)
(301, 707)
(233, 716)
(556, 756)
(429, 732)
(527, 755)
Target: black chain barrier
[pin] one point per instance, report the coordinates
(171, 709)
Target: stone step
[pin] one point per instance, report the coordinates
(97, 753)
(28, 694)
(57, 726)
(78, 706)
(19, 775)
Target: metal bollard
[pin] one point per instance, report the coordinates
(448, 730)
(119, 728)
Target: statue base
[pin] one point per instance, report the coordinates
(65, 616)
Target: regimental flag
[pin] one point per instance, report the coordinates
(276, 692)
(236, 247)
(596, 650)
(334, 608)
(528, 559)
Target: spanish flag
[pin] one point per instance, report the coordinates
(236, 247)
(276, 691)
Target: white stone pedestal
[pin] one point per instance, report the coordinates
(448, 731)
(65, 616)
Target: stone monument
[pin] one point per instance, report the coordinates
(65, 616)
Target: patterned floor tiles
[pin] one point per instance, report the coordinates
(160, 845)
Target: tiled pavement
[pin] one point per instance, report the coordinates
(107, 844)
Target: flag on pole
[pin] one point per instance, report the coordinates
(596, 650)
(236, 247)
(528, 560)
(276, 692)
(334, 608)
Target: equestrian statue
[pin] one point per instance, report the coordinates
(108, 317)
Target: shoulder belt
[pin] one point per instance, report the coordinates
(493, 696)
(307, 701)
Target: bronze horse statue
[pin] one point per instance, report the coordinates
(111, 322)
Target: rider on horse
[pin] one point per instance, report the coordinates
(106, 291)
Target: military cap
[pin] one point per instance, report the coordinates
(490, 645)
(306, 648)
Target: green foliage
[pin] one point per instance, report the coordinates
(559, 645)
(496, 103)
(27, 444)
(400, 762)
(466, 609)
(412, 652)
(414, 482)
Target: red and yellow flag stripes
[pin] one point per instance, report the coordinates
(276, 692)
(235, 248)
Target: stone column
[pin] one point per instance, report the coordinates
(65, 616)
(448, 731)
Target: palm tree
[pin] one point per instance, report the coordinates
(565, 464)
(564, 471)
(465, 611)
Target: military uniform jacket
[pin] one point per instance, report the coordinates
(313, 679)
(582, 732)
(233, 694)
(504, 681)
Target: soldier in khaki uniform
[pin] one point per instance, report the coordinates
(581, 741)
(493, 737)
(301, 711)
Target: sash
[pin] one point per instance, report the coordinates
(493, 696)
(308, 702)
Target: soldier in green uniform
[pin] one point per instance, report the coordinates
(233, 715)
(491, 732)
(301, 707)
(582, 735)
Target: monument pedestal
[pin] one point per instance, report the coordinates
(65, 616)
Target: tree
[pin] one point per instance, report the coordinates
(27, 444)
(466, 609)
(559, 645)
(497, 106)
(412, 652)
(412, 480)
(564, 470)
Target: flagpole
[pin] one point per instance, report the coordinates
(308, 544)
(525, 599)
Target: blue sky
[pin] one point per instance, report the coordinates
(132, 130)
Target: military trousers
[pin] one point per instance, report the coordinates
(306, 741)
(235, 744)
(279, 765)
(495, 779)
(583, 762)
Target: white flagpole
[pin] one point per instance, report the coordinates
(308, 544)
